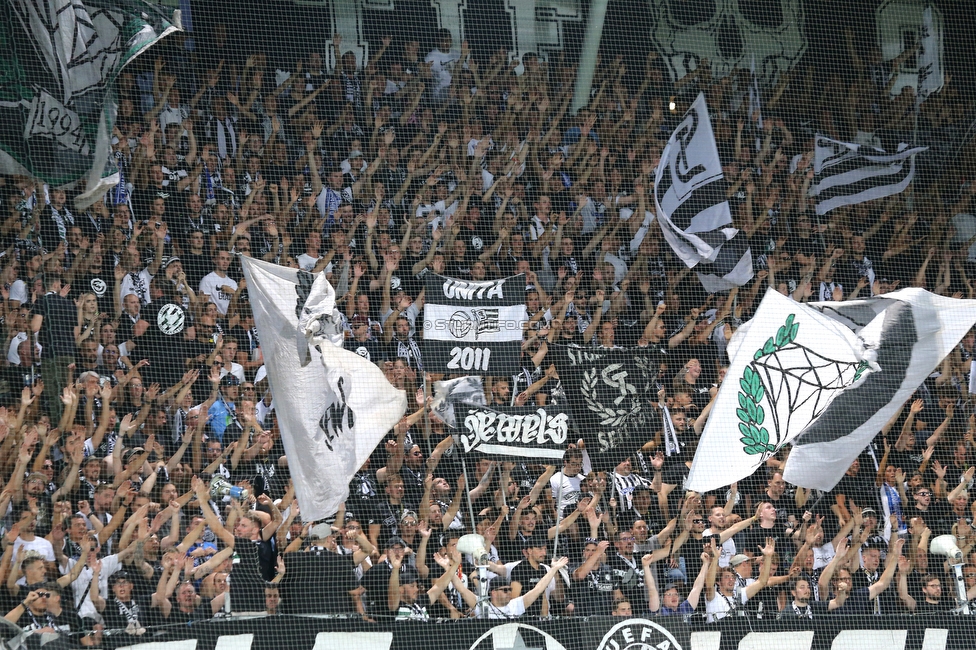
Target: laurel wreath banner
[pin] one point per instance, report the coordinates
(608, 416)
(755, 437)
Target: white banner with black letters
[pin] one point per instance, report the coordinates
(472, 327)
(524, 431)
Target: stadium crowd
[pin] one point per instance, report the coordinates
(134, 371)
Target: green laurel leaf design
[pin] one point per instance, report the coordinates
(751, 415)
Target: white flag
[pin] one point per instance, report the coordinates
(930, 77)
(334, 410)
(824, 377)
(788, 364)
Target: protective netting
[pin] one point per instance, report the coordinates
(568, 206)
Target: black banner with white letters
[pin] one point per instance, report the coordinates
(523, 431)
(611, 392)
(473, 328)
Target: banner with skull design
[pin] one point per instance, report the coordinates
(611, 393)
(729, 34)
(473, 328)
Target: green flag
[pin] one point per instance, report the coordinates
(60, 62)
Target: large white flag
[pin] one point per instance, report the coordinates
(930, 76)
(333, 406)
(824, 377)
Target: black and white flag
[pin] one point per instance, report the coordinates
(848, 173)
(474, 328)
(611, 392)
(692, 207)
(333, 406)
(532, 433)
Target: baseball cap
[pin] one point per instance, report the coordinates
(355, 153)
(738, 559)
(320, 531)
(394, 541)
(230, 380)
(408, 575)
(499, 582)
(535, 541)
(868, 512)
(118, 576)
(359, 319)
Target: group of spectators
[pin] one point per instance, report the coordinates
(134, 371)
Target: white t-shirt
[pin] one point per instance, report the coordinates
(131, 285)
(514, 609)
(443, 65)
(210, 286)
(39, 544)
(236, 369)
(720, 606)
(12, 355)
(728, 548)
(18, 291)
(822, 555)
(307, 262)
(86, 609)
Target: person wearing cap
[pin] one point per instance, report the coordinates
(123, 609)
(362, 341)
(376, 580)
(404, 589)
(530, 571)
(223, 412)
(668, 602)
(594, 585)
(728, 595)
(502, 604)
(869, 573)
(320, 580)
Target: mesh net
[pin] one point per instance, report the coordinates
(197, 449)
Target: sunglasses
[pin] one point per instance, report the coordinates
(923, 494)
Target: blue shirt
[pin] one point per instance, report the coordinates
(221, 414)
(684, 609)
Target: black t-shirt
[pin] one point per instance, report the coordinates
(200, 613)
(318, 582)
(372, 351)
(57, 335)
(525, 575)
(163, 342)
(195, 267)
(752, 539)
(256, 566)
(377, 584)
(593, 595)
(117, 615)
(630, 576)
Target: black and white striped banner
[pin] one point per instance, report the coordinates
(847, 173)
(692, 207)
(473, 328)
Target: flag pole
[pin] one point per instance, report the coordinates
(559, 514)
(467, 491)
